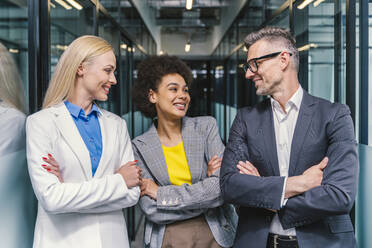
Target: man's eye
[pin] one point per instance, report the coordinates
(173, 89)
(108, 70)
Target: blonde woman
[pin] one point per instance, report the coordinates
(79, 156)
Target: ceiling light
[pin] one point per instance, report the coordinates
(187, 47)
(304, 4)
(61, 47)
(129, 49)
(317, 2)
(13, 50)
(189, 4)
(75, 4)
(63, 4)
(52, 4)
(133, 49)
(123, 46)
(245, 49)
(161, 52)
(307, 47)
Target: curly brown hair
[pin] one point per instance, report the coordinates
(150, 73)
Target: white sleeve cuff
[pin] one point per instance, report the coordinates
(283, 201)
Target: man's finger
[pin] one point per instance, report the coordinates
(245, 170)
(323, 163)
(253, 168)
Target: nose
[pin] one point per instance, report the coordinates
(249, 74)
(183, 94)
(113, 79)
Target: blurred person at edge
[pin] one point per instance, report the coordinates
(80, 156)
(12, 106)
(297, 173)
(17, 208)
(180, 158)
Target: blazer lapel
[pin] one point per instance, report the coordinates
(194, 149)
(69, 131)
(268, 132)
(108, 128)
(299, 136)
(152, 152)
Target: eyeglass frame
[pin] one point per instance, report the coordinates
(247, 66)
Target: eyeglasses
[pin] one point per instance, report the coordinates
(252, 63)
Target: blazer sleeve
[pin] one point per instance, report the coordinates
(149, 206)
(246, 190)
(337, 193)
(56, 197)
(204, 194)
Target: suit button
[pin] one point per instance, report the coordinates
(268, 219)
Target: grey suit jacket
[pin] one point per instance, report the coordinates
(320, 215)
(175, 203)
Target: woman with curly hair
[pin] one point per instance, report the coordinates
(180, 158)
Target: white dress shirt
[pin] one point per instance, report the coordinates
(284, 125)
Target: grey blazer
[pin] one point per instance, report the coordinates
(175, 203)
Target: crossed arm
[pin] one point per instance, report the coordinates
(327, 188)
(104, 194)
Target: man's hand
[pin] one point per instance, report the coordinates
(311, 178)
(247, 168)
(131, 174)
(150, 188)
(213, 165)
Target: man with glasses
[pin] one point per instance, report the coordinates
(291, 162)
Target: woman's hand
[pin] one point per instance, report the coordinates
(131, 174)
(52, 167)
(247, 168)
(150, 188)
(213, 165)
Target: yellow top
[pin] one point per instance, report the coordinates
(178, 168)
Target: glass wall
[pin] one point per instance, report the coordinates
(370, 74)
(17, 204)
(64, 28)
(33, 36)
(330, 67)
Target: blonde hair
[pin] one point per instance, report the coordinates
(82, 49)
(11, 88)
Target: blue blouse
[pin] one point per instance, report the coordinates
(90, 131)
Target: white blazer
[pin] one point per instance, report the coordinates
(84, 211)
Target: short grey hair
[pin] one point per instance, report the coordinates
(276, 35)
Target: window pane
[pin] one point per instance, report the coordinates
(64, 28)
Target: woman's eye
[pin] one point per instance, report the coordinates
(108, 70)
(186, 90)
(173, 89)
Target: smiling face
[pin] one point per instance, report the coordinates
(172, 97)
(269, 76)
(97, 76)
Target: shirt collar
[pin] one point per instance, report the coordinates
(295, 100)
(77, 111)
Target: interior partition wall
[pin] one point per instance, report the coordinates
(35, 33)
(334, 39)
(17, 204)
